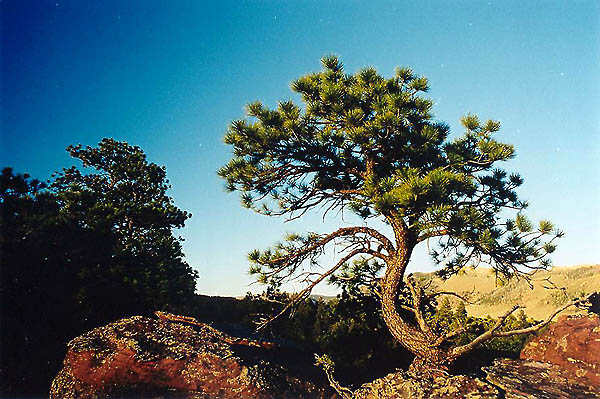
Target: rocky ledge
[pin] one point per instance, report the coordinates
(563, 362)
(142, 357)
(402, 386)
(521, 379)
(573, 343)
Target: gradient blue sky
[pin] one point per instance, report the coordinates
(170, 75)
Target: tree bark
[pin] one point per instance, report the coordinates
(429, 358)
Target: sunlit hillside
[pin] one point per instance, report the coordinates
(492, 296)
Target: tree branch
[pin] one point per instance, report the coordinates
(306, 291)
(493, 333)
(286, 260)
(417, 294)
(454, 294)
(448, 336)
(544, 323)
(460, 350)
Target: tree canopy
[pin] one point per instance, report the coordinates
(370, 144)
(89, 246)
(125, 198)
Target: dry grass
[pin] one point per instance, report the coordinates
(493, 296)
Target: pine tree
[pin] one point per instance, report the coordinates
(91, 246)
(123, 198)
(369, 144)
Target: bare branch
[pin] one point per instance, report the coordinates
(493, 332)
(460, 350)
(417, 294)
(344, 231)
(542, 324)
(449, 336)
(454, 294)
(306, 291)
(328, 368)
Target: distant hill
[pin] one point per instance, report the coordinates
(493, 297)
(490, 295)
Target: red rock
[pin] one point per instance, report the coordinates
(529, 379)
(139, 356)
(573, 343)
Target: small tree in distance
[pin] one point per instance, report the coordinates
(369, 144)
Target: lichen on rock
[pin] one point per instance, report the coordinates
(402, 385)
(562, 362)
(528, 379)
(143, 357)
(573, 343)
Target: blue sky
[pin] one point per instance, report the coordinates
(170, 75)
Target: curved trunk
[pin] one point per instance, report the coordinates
(428, 357)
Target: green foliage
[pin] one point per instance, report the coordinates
(447, 318)
(348, 329)
(83, 250)
(369, 144)
(558, 298)
(124, 199)
(38, 283)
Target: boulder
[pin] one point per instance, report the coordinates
(573, 343)
(528, 379)
(562, 362)
(401, 385)
(143, 357)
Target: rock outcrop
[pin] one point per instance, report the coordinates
(528, 379)
(143, 357)
(401, 386)
(573, 343)
(179, 357)
(563, 362)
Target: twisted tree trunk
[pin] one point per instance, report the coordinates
(429, 357)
